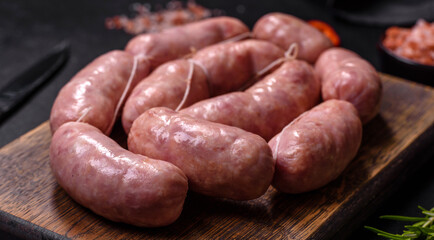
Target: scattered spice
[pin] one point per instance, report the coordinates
(416, 43)
(174, 14)
(327, 30)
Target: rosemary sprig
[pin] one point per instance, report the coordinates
(423, 228)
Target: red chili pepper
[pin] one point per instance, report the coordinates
(326, 30)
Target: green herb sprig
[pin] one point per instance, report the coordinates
(422, 229)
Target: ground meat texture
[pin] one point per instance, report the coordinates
(113, 182)
(94, 93)
(316, 147)
(346, 76)
(230, 66)
(219, 160)
(269, 105)
(284, 30)
(178, 41)
(218, 69)
(165, 86)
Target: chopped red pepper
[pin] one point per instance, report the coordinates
(327, 30)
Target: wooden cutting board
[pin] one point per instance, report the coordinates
(32, 205)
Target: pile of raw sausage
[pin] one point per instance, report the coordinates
(199, 104)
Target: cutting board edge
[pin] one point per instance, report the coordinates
(400, 79)
(24, 136)
(419, 148)
(24, 229)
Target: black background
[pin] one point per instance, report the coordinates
(29, 29)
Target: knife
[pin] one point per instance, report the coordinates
(28, 81)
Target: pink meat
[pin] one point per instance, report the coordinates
(269, 105)
(283, 30)
(219, 160)
(316, 147)
(231, 65)
(176, 42)
(113, 182)
(218, 69)
(346, 76)
(95, 91)
(165, 87)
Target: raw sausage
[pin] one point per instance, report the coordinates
(229, 66)
(113, 182)
(219, 160)
(165, 86)
(269, 105)
(316, 147)
(176, 42)
(98, 88)
(218, 69)
(346, 76)
(283, 30)
(96, 91)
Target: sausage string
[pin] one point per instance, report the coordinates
(238, 37)
(85, 112)
(187, 89)
(276, 149)
(290, 54)
(124, 94)
(190, 79)
(192, 63)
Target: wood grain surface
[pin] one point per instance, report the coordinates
(33, 206)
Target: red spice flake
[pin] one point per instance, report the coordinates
(198, 11)
(174, 14)
(327, 30)
(416, 43)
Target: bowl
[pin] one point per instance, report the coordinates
(404, 67)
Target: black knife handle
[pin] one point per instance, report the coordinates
(28, 81)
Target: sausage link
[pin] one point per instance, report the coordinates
(269, 105)
(316, 147)
(176, 42)
(165, 86)
(346, 76)
(113, 182)
(219, 160)
(229, 66)
(284, 30)
(96, 90)
(218, 69)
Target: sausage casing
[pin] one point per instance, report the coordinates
(346, 76)
(284, 30)
(231, 65)
(97, 89)
(94, 92)
(219, 160)
(165, 86)
(176, 42)
(218, 69)
(267, 106)
(113, 182)
(316, 147)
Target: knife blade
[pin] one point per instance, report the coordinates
(22, 85)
